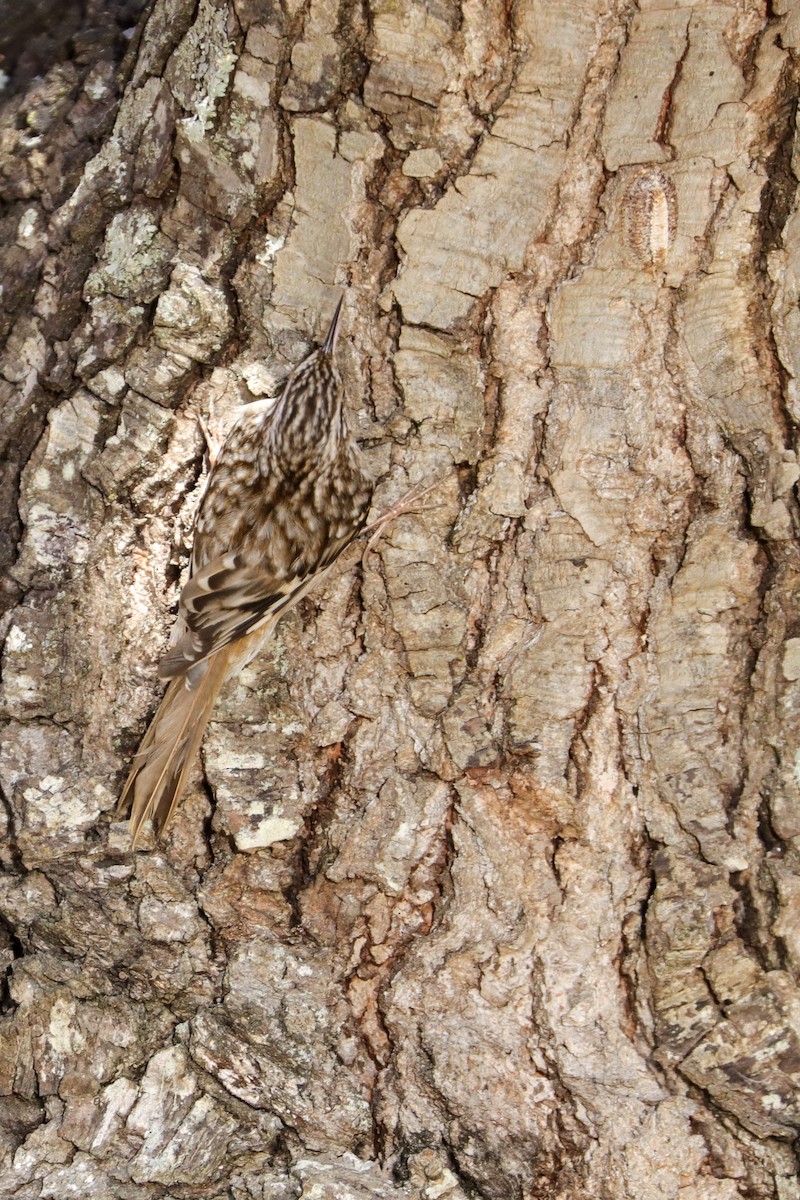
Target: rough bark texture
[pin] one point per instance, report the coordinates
(487, 884)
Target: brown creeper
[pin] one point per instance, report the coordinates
(287, 493)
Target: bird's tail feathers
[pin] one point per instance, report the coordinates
(162, 763)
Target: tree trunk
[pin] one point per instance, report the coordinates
(487, 882)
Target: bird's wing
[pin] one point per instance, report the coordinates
(220, 604)
(229, 597)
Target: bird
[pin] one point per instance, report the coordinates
(285, 496)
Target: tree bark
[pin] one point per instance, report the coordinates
(487, 882)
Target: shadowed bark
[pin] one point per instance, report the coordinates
(487, 880)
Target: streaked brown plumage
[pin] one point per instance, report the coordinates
(286, 495)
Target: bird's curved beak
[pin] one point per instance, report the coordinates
(329, 345)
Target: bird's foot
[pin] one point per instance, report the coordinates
(409, 502)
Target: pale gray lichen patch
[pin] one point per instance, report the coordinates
(192, 317)
(135, 261)
(199, 70)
